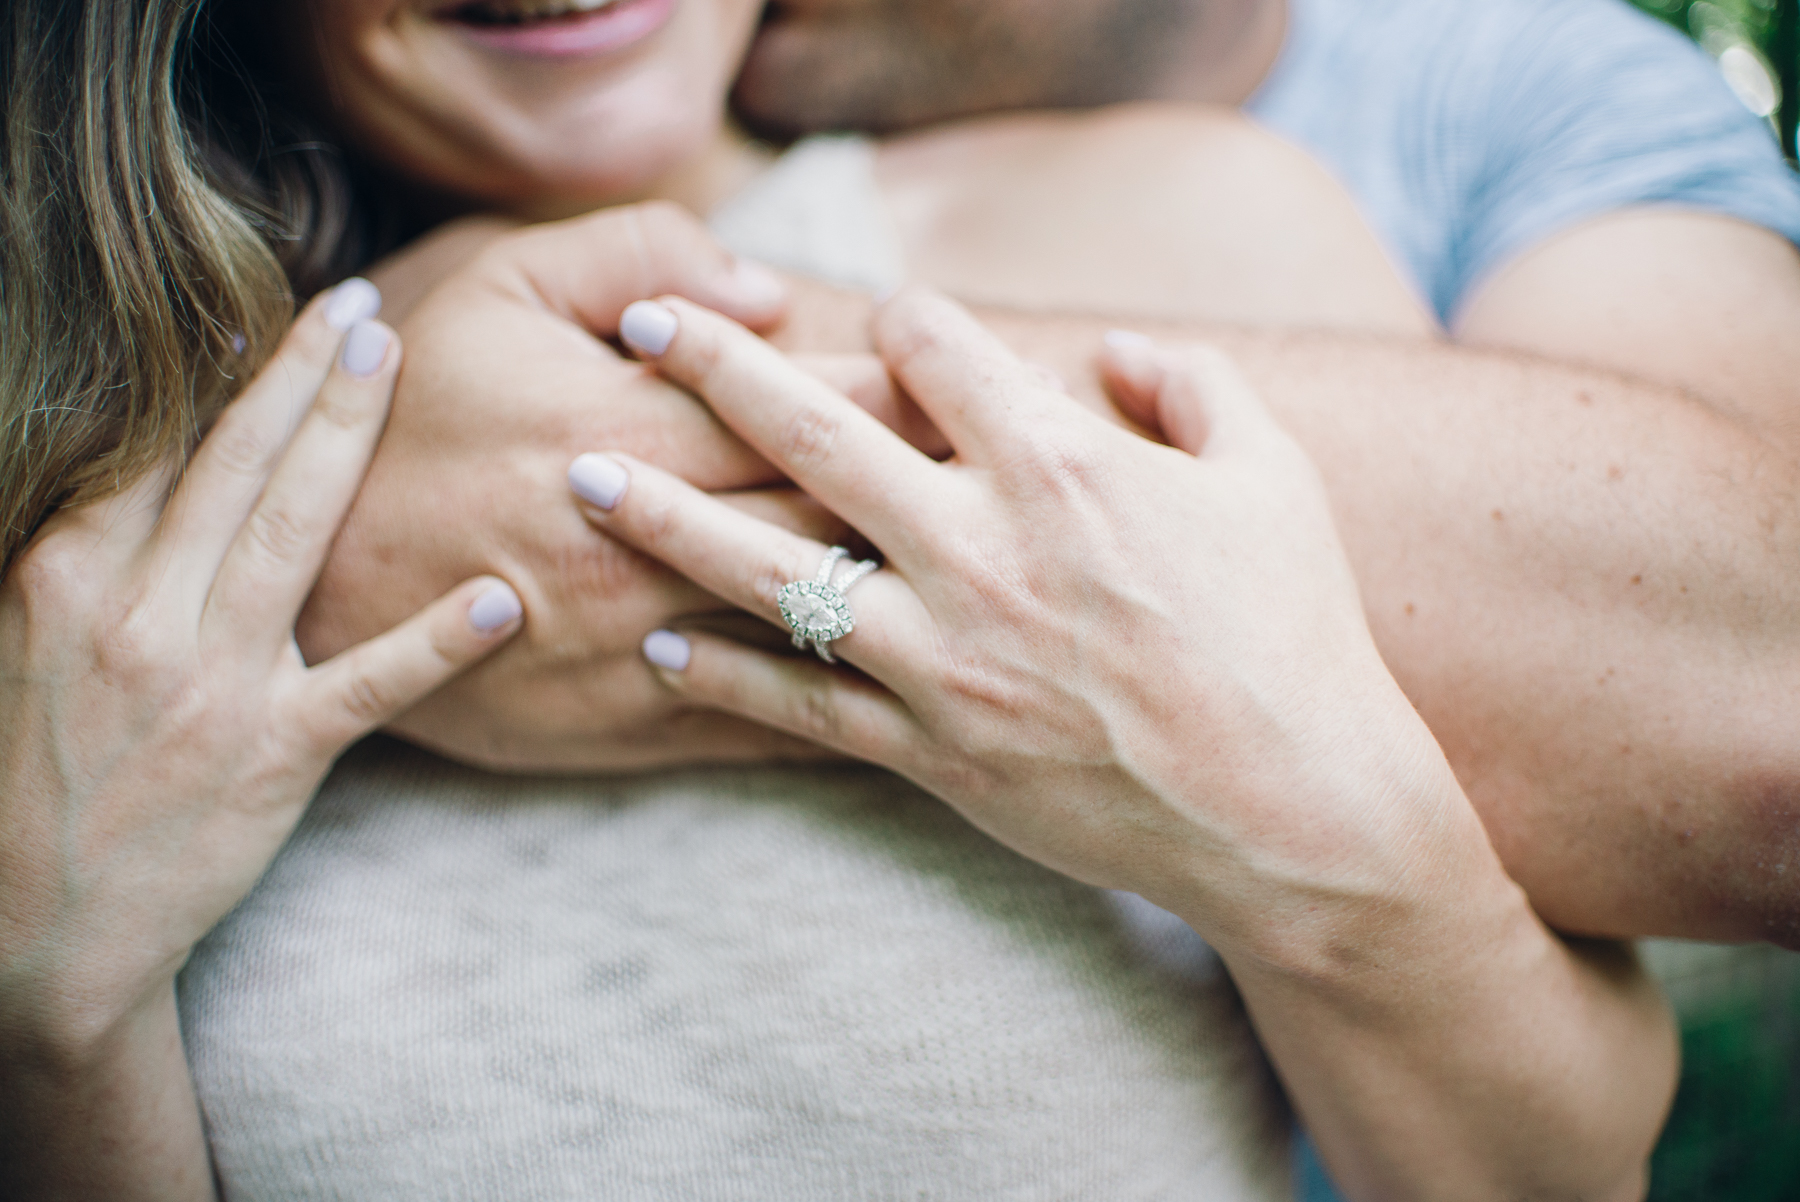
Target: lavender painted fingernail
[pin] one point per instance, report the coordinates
(1127, 340)
(598, 479)
(365, 348)
(497, 606)
(648, 327)
(352, 301)
(666, 649)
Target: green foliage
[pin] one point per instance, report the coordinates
(1734, 1134)
(1770, 27)
(1756, 18)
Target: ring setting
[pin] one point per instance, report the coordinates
(815, 610)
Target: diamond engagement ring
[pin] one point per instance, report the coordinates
(815, 610)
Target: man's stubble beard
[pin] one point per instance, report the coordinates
(884, 65)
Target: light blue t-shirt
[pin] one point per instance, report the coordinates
(1469, 130)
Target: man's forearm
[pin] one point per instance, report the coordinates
(1588, 586)
(1475, 1057)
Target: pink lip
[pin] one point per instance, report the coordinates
(598, 32)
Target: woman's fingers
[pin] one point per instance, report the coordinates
(980, 394)
(834, 450)
(792, 510)
(1131, 370)
(228, 472)
(590, 269)
(371, 684)
(865, 380)
(736, 556)
(281, 546)
(1196, 395)
(849, 714)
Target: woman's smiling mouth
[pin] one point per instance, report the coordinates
(560, 28)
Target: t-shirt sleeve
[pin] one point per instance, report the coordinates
(1601, 108)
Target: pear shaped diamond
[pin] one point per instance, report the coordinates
(814, 611)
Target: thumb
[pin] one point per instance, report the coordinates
(372, 683)
(588, 269)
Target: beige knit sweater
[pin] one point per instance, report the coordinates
(787, 984)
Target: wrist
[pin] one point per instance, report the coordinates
(1381, 865)
(53, 1028)
(1364, 945)
(119, 1120)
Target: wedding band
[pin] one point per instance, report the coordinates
(815, 610)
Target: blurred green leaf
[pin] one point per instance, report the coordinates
(1768, 29)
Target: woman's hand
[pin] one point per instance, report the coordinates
(1143, 665)
(507, 374)
(1147, 666)
(160, 733)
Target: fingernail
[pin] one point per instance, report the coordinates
(365, 348)
(352, 301)
(666, 649)
(756, 284)
(1127, 340)
(598, 479)
(648, 327)
(497, 606)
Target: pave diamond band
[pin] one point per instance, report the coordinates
(815, 610)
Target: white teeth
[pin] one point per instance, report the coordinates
(533, 10)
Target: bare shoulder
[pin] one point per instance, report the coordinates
(1180, 212)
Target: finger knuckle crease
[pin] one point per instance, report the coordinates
(815, 715)
(808, 438)
(343, 408)
(1062, 466)
(765, 579)
(367, 700)
(240, 449)
(706, 358)
(658, 520)
(275, 535)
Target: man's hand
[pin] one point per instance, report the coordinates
(506, 372)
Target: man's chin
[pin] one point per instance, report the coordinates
(778, 94)
(851, 70)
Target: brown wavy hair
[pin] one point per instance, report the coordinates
(161, 206)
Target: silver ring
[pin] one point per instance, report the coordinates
(815, 610)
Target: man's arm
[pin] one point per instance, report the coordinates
(1609, 661)
(1590, 587)
(1588, 583)
(1259, 773)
